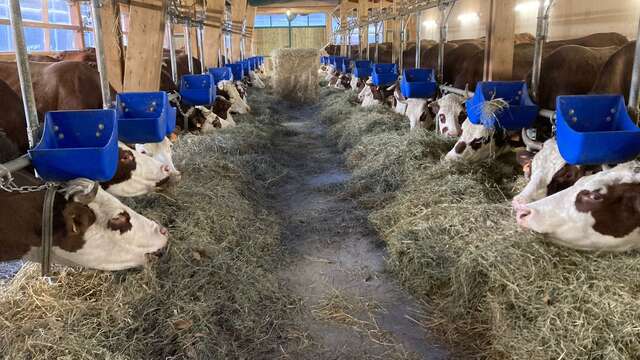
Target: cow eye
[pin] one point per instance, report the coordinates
(143, 152)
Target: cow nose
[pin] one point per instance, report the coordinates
(522, 216)
(163, 231)
(165, 169)
(442, 118)
(453, 133)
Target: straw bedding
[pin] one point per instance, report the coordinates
(295, 75)
(493, 290)
(213, 296)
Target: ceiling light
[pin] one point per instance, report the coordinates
(429, 24)
(468, 17)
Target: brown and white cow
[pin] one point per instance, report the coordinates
(600, 212)
(238, 104)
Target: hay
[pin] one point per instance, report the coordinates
(213, 296)
(295, 75)
(493, 290)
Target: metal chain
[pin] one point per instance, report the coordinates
(8, 184)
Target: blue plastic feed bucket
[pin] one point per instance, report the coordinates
(236, 70)
(346, 66)
(362, 69)
(418, 83)
(595, 129)
(220, 73)
(171, 114)
(77, 144)
(384, 74)
(142, 116)
(504, 104)
(245, 67)
(197, 89)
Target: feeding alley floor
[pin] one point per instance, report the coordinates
(351, 308)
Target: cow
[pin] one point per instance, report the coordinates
(615, 75)
(255, 80)
(60, 86)
(238, 105)
(373, 95)
(599, 212)
(356, 83)
(91, 227)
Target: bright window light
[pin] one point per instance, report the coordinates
(529, 6)
(468, 17)
(430, 24)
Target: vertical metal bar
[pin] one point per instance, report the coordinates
(348, 43)
(200, 40)
(368, 42)
(542, 30)
(634, 92)
(377, 57)
(418, 45)
(26, 87)
(172, 51)
(445, 11)
(187, 44)
(99, 45)
(402, 43)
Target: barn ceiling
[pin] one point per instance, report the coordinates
(285, 3)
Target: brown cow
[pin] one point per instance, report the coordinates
(615, 75)
(12, 109)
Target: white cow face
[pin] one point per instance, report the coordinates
(238, 105)
(162, 152)
(255, 80)
(137, 174)
(418, 114)
(478, 143)
(449, 113)
(599, 212)
(102, 233)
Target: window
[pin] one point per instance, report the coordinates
(55, 26)
(280, 20)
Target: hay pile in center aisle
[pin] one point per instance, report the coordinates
(494, 290)
(213, 296)
(295, 74)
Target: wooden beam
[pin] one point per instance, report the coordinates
(113, 49)
(328, 27)
(212, 38)
(344, 8)
(238, 10)
(295, 9)
(499, 48)
(363, 11)
(249, 41)
(144, 50)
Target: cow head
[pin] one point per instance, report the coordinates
(99, 232)
(356, 83)
(478, 143)
(255, 80)
(599, 212)
(383, 95)
(418, 113)
(238, 105)
(449, 112)
(163, 153)
(221, 107)
(137, 174)
(344, 81)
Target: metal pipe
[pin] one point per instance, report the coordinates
(22, 60)
(187, 44)
(401, 55)
(634, 92)
(14, 165)
(377, 57)
(368, 44)
(172, 52)
(200, 39)
(445, 11)
(542, 31)
(418, 45)
(99, 45)
(349, 43)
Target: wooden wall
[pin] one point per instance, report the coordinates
(268, 39)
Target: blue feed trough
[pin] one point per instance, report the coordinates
(143, 116)
(362, 69)
(519, 114)
(339, 63)
(324, 60)
(219, 74)
(245, 67)
(384, 74)
(236, 70)
(171, 118)
(418, 83)
(197, 89)
(595, 129)
(74, 144)
(260, 60)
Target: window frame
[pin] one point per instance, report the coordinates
(76, 25)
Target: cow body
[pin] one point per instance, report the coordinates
(615, 75)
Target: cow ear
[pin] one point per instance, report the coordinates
(524, 157)
(433, 108)
(462, 116)
(78, 218)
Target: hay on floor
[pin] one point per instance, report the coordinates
(295, 74)
(495, 291)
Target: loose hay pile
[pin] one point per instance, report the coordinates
(295, 74)
(495, 291)
(213, 296)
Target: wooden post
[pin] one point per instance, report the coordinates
(145, 41)
(328, 27)
(363, 12)
(251, 18)
(113, 49)
(76, 19)
(212, 25)
(499, 50)
(397, 28)
(344, 8)
(238, 10)
(193, 36)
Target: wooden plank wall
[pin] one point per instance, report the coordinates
(238, 10)
(212, 38)
(113, 49)
(269, 39)
(145, 41)
(249, 42)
